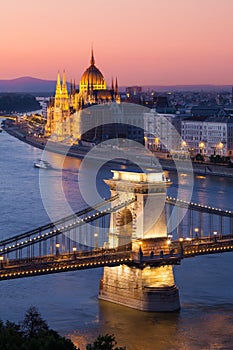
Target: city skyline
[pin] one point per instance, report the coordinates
(161, 43)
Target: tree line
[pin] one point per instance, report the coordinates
(34, 334)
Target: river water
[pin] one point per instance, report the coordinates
(68, 301)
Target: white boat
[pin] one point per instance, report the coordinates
(42, 164)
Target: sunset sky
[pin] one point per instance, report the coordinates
(145, 42)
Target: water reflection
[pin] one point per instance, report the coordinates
(193, 328)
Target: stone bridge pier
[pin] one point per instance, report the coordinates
(143, 288)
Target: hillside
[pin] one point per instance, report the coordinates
(27, 84)
(20, 103)
(35, 86)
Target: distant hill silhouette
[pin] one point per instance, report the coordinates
(35, 85)
(27, 84)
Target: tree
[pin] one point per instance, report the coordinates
(32, 334)
(33, 323)
(104, 342)
(10, 336)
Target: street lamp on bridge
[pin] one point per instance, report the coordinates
(196, 230)
(215, 235)
(181, 240)
(96, 240)
(57, 249)
(1, 261)
(74, 251)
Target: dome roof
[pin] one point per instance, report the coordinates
(92, 78)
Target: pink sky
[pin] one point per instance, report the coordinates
(145, 42)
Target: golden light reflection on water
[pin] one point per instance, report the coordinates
(160, 331)
(59, 161)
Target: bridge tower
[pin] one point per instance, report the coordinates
(143, 288)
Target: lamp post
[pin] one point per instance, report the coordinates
(1, 261)
(57, 249)
(215, 236)
(74, 251)
(201, 146)
(184, 145)
(196, 230)
(181, 239)
(220, 146)
(96, 240)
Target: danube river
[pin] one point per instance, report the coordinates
(68, 301)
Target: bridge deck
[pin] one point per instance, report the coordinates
(33, 253)
(19, 268)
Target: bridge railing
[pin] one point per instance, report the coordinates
(193, 220)
(73, 236)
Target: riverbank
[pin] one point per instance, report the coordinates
(204, 169)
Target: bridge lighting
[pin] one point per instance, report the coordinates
(57, 248)
(181, 239)
(215, 235)
(96, 240)
(1, 261)
(196, 230)
(74, 251)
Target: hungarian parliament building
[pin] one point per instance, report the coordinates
(69, 118)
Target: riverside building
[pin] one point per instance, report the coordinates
(161, 131)
(63, 112)
(208, 135)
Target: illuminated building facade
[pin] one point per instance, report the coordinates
(161, 131)
(63, 113)
(209, 135)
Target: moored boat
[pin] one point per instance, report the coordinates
(42, 164)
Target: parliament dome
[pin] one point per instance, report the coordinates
(92, 78)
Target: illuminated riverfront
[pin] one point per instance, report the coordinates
(129, 231)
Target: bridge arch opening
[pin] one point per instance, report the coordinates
(125, 224)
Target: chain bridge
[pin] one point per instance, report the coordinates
(137, 235)
(68, 244)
